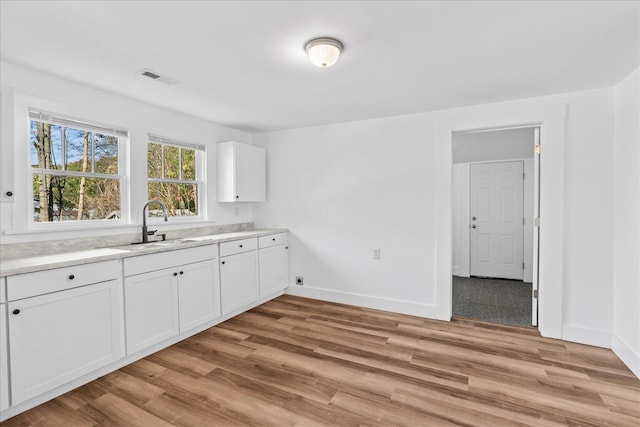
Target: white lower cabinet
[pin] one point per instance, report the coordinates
(151, 308)
(198, 294)
(239, 280)
(274, 269)
(164, 302)
(4, 365)
(57, 337)
(60, 324)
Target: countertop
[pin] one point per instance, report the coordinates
(45, 262)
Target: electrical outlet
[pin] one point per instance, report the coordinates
(299, 281)
(376, 254)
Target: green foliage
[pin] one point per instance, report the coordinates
(173, 165)
(87, 197)
(64, 197)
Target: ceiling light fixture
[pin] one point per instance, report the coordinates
(324, 52)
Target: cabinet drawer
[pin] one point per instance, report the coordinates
(272, 240)
(238, 246)
(58, 279)
(145, 263)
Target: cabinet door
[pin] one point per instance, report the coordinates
(4, 366)
(151, 308)
(61, 336)
(198, 293)
(250, 173)
(274, 274)
(238, 280)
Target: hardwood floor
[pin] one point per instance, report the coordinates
(296, 361)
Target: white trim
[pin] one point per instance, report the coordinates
(156, 139)
(361, 300)
(579, 334)
(61, 120)
(626, 353)
(551, 119)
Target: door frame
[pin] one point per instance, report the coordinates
(551, 120)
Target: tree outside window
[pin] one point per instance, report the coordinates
(174, 172)
(75, 173)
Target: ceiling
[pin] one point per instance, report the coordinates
(242, 63)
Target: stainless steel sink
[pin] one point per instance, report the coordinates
(202, 238)
(158, 244)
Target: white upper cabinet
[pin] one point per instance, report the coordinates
(241, 172)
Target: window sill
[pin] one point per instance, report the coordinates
(67, 228)
(182, 223)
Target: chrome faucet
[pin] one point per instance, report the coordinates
(145, 232)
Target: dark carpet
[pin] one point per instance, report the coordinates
(492, 300)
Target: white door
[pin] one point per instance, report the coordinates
(151, 308)
(238, 280)
(496, 220)
(58, 337)
(274, 270)
(198, 293)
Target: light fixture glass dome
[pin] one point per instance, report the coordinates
(324, 52)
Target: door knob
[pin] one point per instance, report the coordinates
(473, 226)
(473, 218)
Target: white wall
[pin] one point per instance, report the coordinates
(460, 197)
(626, 241)
(345, 189)
(588, 221)
(29, 88)
(490, 145)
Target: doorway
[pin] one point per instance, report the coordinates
(494, 198)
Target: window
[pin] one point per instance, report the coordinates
(175, 176)
(75, 169)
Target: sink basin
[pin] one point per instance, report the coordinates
(159, 244)
(203, 238)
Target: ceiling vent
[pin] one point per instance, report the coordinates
(157, 77)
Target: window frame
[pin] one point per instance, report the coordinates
(200, 176)
(94, 127)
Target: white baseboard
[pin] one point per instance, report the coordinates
(595, 337)
(369, 301)
(629, 356)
